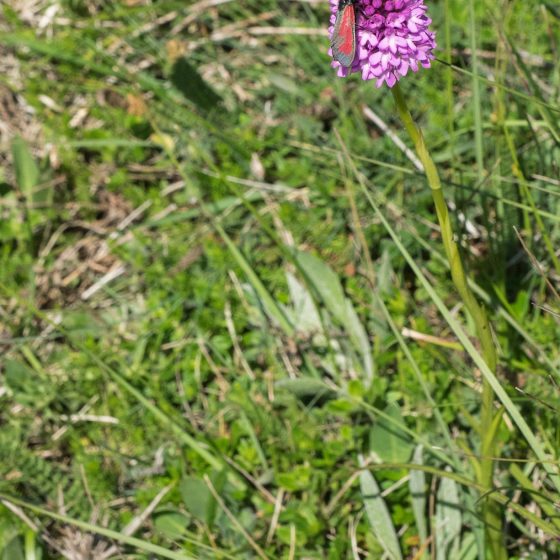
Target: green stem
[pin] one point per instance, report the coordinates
(489, 421)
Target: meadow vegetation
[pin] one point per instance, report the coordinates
(228, 329)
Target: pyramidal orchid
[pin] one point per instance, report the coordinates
(391, 38)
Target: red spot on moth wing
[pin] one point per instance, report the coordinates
(344, 36)
(347, 30)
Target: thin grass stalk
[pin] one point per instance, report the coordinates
(489, 421)
(478, 144)
(517, 170)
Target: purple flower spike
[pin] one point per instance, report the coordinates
(392, 37)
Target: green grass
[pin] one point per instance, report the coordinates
(226, 323)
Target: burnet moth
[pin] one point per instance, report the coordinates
(343, 40)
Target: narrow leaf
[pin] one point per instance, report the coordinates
(27, 172)
(448, 520)
(378, 515)
(191, 84)
(417, 486)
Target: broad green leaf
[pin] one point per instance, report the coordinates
(198, 499)
(304, 314)
(378, 515)
(172, 524)
(389, 443)
(329, 289)
(326, 283)
(282, 82)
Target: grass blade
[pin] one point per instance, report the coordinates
(272, 308)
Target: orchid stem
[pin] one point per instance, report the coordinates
(489, 420)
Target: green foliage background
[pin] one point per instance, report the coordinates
(190, 320)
